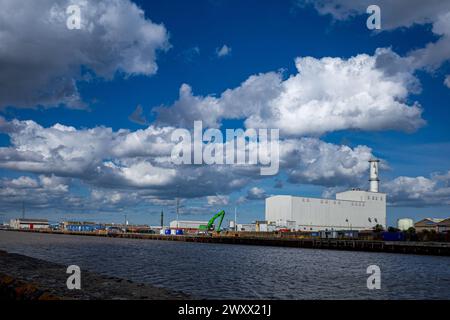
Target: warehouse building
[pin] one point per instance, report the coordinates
(444, 225)
(351, 210)
(189, 225)
(29, 224)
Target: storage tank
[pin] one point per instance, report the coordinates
(405, 223)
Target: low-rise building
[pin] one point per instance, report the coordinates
(429, 224)
(264, 226)
(246, 227)
(444, 225)
(187, 224)
(29, 224)
(66, 224)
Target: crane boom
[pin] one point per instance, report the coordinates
(209, 226)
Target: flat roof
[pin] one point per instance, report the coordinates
(188, 221)
(31, 220)
(328, 199)
(313, 198)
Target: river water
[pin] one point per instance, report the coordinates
(219, 271)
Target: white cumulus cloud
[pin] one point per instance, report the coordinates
(223, 51)
(41, 59)
(401, 14)
(419, 191)
(256, 193)
(325, 95)
(447, 81)
(140, 160)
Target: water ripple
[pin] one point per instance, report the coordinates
(217, 271)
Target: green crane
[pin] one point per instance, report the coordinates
(209, 226)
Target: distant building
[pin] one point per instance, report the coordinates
(29, 224)
(429, 224)
(65, 224)
(350, 210)
(264, 226)
(246, 227)
(261, 226)
(187, 224)
(444, 225)
(139, 229)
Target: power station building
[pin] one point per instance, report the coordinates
(351, 210)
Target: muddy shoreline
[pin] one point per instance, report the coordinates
(26, 278)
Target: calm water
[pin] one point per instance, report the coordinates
(218, 271)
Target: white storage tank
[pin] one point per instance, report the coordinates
(405, 223)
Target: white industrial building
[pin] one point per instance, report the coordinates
(351, 210)
(29, 224)
(187, 224)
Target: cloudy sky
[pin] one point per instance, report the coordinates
(86, 116)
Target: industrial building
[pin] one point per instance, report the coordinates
(193, 225)
(351, 210)
(247, 227)
(29, 224)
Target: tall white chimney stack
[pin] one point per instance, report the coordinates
(373, 177)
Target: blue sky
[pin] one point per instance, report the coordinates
(263, 37)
